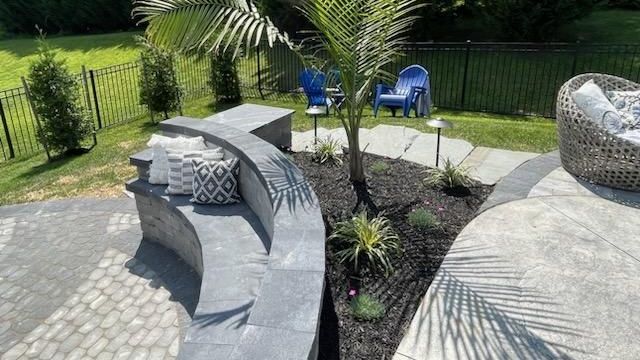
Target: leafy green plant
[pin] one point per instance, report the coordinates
(372, 241)
(449, 176)
(56, 98)
(327, 151)
(366, 308)
(422, 219)
(379, 167)
(224, 81)
(159, 87)
(359, 38)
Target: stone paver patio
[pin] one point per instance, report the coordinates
(548, 270)
(77, 282)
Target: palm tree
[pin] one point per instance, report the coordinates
(357, 37)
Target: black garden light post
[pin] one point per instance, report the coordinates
(439, 124)
(315, 111)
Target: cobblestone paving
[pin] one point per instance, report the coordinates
(77, 282)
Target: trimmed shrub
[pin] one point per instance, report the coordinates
(159, 87)
(422, 219)
(56, 98)
(224, 81)
(370, 240)
(366, 308)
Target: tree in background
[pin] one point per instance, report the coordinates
(55, 97)
(533, 20)
(224, 81)
(65, 16)
(625, 4)
(159, 87)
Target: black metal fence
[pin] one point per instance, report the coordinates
(505, 78)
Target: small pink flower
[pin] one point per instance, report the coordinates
(441, 208)
(353, 292)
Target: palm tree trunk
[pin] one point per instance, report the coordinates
(357, 176)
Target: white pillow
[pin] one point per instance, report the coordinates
(159, 169)
(628, 105)
(593, 102)
(181, 170)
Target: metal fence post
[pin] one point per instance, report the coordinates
(574, 66)
(259, 72)
(87, 99)
(466, 71)
(7, 134)
(95, 98)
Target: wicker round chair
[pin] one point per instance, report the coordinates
(588, 150)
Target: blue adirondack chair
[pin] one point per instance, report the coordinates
(313, 84)
(412, 84)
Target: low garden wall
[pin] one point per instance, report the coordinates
(262, 262)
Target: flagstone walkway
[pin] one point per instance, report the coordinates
(486, 165)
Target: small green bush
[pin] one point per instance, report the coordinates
(224, 80)
(422, 219)
(370, 240)
(366, 308)
(56, 98)
(449, 177)
(159, 87)
(327, 151)
(379, 167)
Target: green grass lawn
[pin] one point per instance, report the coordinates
(103, 171)
(94, 51)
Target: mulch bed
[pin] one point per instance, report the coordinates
(396, 192)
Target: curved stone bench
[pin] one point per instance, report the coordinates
(262, 261)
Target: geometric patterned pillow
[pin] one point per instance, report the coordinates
(215, 182)
(181, 170)
(628, 105)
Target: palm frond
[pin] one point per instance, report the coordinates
(211, 24)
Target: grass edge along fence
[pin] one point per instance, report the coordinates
(503, 78)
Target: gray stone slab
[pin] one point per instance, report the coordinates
(390, 141)
(219, 322)
(283, 306)
(526, 281)
(489, 165)
(260, 342)
(423, 150)
(520, 181)
(249, 117)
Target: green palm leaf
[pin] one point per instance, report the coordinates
(195, 24)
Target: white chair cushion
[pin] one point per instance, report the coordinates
(628, 105)
(593, 102)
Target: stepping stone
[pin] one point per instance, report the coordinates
(489, 165)
(391, 141)
(423, 150)
(303, 141)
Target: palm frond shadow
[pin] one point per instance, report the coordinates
(483, 311)
(233, 318)
(288, 185)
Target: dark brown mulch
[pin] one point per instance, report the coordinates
(396, 192)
